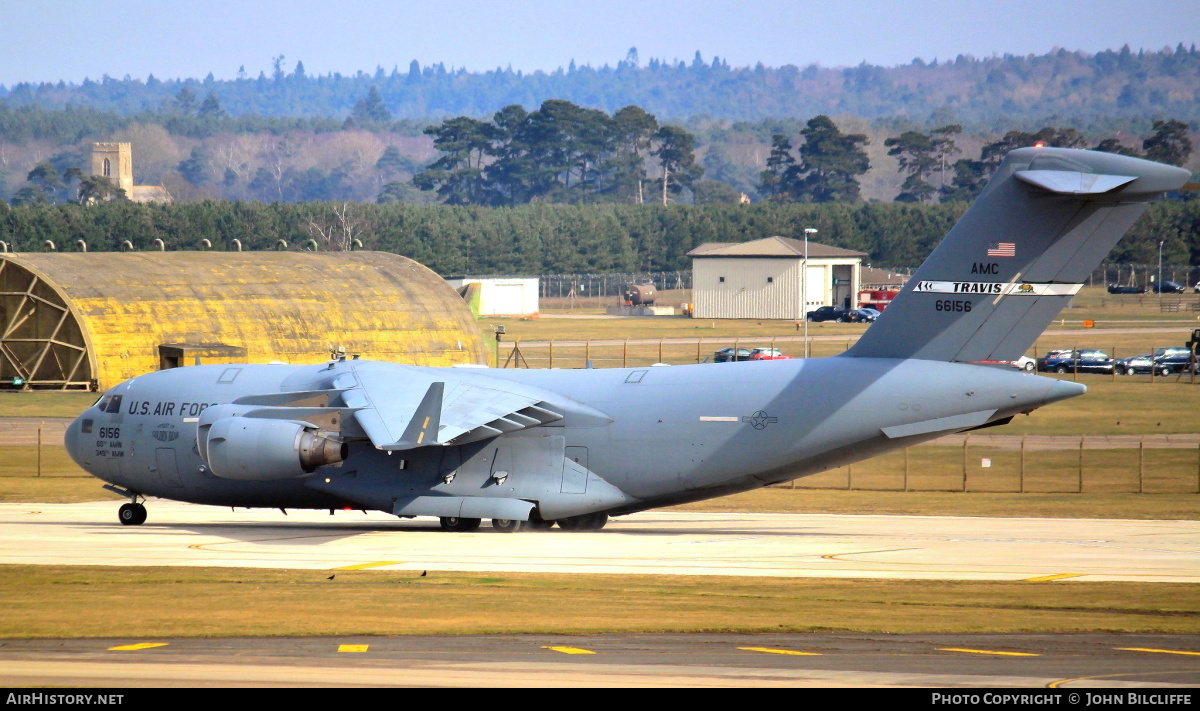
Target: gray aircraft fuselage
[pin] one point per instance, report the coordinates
(677, 433)
(574, 446)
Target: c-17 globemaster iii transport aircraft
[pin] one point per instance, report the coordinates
(531, 448)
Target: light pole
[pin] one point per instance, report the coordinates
(804, 287)
(1160, 246)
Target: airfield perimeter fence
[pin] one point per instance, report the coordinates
(1151, 464)
(1121, 274)
(641, 352)
(601, 285)
(605, 289)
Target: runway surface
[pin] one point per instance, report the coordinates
(1152, 663)
(654, 542)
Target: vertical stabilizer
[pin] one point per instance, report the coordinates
(1026, 245)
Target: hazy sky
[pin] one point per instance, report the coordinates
(48, 40)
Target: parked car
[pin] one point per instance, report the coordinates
(729, 355)
(1167, 287)
(1134, 364)
(867, 314)
(1023, 363)
(768, 354)
(1114, 289)
(1041, 362)
(1175, 360)
(830, 313)
(1078, 361)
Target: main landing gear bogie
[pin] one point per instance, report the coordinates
(132, 514)
(461, 525)
(585, 522)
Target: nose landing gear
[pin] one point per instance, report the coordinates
(132, 514)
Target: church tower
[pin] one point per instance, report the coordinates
(115, 162)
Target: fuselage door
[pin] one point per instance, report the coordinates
(575, 471)
(168, 470)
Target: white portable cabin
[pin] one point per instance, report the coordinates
(503, 296)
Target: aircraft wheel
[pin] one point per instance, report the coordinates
(454, 523)
(595, 522)
(585, 522)
(132, 514)
(505, 525)
(540, 525)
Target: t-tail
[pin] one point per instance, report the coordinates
(1026, 245)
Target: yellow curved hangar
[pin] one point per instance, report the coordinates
(92, 320)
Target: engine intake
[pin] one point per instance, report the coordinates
(259, 449)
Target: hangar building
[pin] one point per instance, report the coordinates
(90, 320)
(766, 278)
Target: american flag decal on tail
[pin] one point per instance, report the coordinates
(1002, 249)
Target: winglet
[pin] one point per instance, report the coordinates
(423, 428)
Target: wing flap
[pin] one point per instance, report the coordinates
(404, 408)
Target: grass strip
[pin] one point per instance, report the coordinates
(126, 602)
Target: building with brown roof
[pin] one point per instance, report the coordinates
(767, 278)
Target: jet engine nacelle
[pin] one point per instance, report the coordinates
(259, 449)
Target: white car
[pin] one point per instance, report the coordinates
(1024, 363)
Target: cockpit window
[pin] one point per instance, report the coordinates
(102, 403)
(114, 405)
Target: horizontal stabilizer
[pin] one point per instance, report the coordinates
(1072, 182)
(953, 423)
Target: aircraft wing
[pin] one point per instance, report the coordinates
(404, 408)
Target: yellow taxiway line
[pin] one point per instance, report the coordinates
(364, 566)
(569, 650)
(988, 651)
(768, 650)
(1158, 651)
(136, 647)
(353, 647)
(1048, 578)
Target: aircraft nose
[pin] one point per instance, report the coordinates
(1063, 390)
(71, 439)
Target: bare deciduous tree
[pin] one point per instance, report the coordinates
(336, 232)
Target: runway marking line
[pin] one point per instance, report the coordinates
(768, 650)
(569, 650)
(1048, 578)
(1058, 684)
(834, 556)
(353, 647)
(370, 565)
(136, 647)
(1157, 651)
(988, 651)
